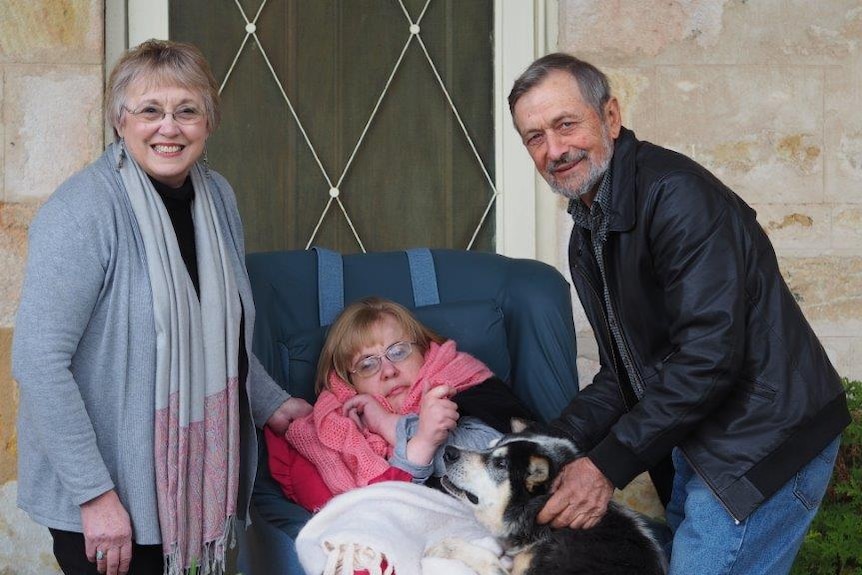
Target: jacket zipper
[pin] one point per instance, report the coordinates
(709, 484)
(607, 329)
(640, 390)
(638, 380)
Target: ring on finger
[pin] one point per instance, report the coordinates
(100, 555)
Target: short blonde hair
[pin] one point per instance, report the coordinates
(162, 63)
(352, 331)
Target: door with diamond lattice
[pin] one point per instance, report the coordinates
(353, 124)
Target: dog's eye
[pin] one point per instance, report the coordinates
(500, 463)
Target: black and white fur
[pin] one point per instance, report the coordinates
(508, 484)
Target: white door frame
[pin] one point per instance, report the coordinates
(525, 212)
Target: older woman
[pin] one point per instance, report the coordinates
(138, 392)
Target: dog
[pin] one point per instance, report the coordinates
(508, 484)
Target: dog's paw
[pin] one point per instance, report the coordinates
(478, 558)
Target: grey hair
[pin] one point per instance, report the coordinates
(162, 63)
(593, 83)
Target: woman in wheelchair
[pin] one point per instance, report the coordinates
(392, 395)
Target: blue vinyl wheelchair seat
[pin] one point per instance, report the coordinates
(513, 314)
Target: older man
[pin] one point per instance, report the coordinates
(705, 355)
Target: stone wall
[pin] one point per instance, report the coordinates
(51, 75)
(767, 95)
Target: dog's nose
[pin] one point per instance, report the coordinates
(451, 454)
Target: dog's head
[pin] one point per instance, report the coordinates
(508, 483)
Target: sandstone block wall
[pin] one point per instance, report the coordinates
(51, 75)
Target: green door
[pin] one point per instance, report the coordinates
(353, 124)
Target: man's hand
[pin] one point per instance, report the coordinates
(291, 409)
(438, 415)
(366, 412)
(107, 534)
(580, 499)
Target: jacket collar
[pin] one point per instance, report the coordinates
(622, 206)
(621, 209)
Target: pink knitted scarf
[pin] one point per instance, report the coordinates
(349, 457)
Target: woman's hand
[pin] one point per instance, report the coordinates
(438, 415)
(367, 413)
(107, 534)
(293, 408)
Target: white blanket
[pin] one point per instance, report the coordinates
(393, 519)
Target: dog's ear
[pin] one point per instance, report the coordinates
(518, 425)
(538, 473)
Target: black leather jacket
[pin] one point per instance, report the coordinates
(732, 373)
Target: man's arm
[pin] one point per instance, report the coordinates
(581, 492)
(590, 415)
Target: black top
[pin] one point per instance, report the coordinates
(178, 202)
(494, 403)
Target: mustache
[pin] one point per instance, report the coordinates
(569, 157)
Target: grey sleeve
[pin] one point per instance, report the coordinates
(63, 281)
(404, 431)
(471, 433)
(265, 394)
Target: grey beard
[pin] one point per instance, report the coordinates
(594, 176)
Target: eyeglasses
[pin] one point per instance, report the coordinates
(185, 115)
(395, 353)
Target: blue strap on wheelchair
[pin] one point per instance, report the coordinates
(330, 281)
(423, 277)
(330, 285)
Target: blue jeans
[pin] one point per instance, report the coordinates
(708, 541)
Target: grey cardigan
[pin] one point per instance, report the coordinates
(84, 355)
